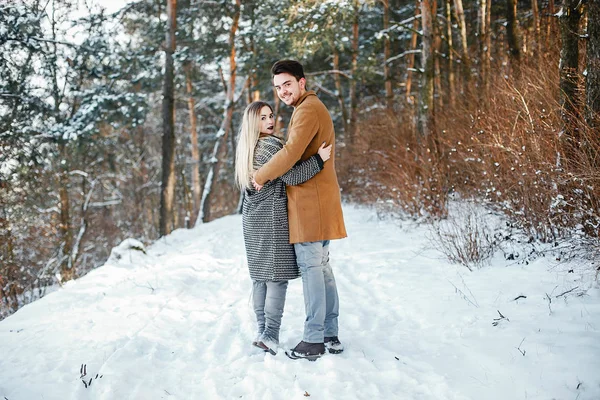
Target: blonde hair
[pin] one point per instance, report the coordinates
(247, 139)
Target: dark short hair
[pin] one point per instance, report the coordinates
(291, 67)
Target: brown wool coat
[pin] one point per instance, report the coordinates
(314, 207)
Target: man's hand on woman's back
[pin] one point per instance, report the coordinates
(325, 152)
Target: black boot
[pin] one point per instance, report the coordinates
(309, 351)
(333, 345)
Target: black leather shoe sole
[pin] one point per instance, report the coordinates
(295, 356)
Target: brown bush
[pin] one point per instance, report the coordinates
(507, 149)
(388, 164)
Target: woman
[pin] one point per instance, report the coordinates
(271, 257)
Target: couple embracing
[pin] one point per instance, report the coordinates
(291, 211)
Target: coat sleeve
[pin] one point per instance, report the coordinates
(303, 171)
(304, 129)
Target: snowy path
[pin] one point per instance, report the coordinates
(177, 324)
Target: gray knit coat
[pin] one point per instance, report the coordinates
(270, 255)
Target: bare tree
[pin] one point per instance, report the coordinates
(9, 288)
(449, 40)
(464, 47)
(426, 99)
(220, 148)
(512, 36)
(196, 190)
(483, 23)
(253, 93)
(354, 68)
(167, 195)
(569, 20)
(411, 55)
(535, 12)
(67, 270)
(339, 90)
(387, 76)
(549, 21)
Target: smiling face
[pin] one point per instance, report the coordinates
(266, 121)
(289, 89)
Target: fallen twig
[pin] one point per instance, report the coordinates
(462, 294)
(519, 348)
(497, 320)
(568, 291)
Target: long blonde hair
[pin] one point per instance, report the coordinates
(247, 139)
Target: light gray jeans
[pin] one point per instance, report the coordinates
(320, 291)
(268, 300)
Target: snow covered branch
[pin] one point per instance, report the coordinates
(332, 72)
(394, 58)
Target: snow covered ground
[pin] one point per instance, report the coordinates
(176, 323)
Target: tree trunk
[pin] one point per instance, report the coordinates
(487, 60)
(65, 228)
(569, 63)
(438, 93)
(535, 11)
(143, 203)
(354, 69)
(464, 46)
(411, 57)
(340, 92)
(253, 91)
(389, 93)
(450, 75)
(426, 99)
(276, 109)
(484, 50)
(220, 149)
(67, 270)
(592, 90)
(512, 37)
(167, 197)
(9, 271)
(195, 170)
(83, 223)
(550, 22)
(186, 194)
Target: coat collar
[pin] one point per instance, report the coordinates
(304, 96)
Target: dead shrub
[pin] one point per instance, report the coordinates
(507, 148)
(465, 237)
(388, 164)
(511, 151)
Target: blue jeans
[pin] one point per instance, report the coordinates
(268, 300)
(320, 292)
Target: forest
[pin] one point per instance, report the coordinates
(122, 124)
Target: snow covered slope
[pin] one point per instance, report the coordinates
(176, 323)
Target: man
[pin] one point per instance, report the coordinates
(314, 208)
